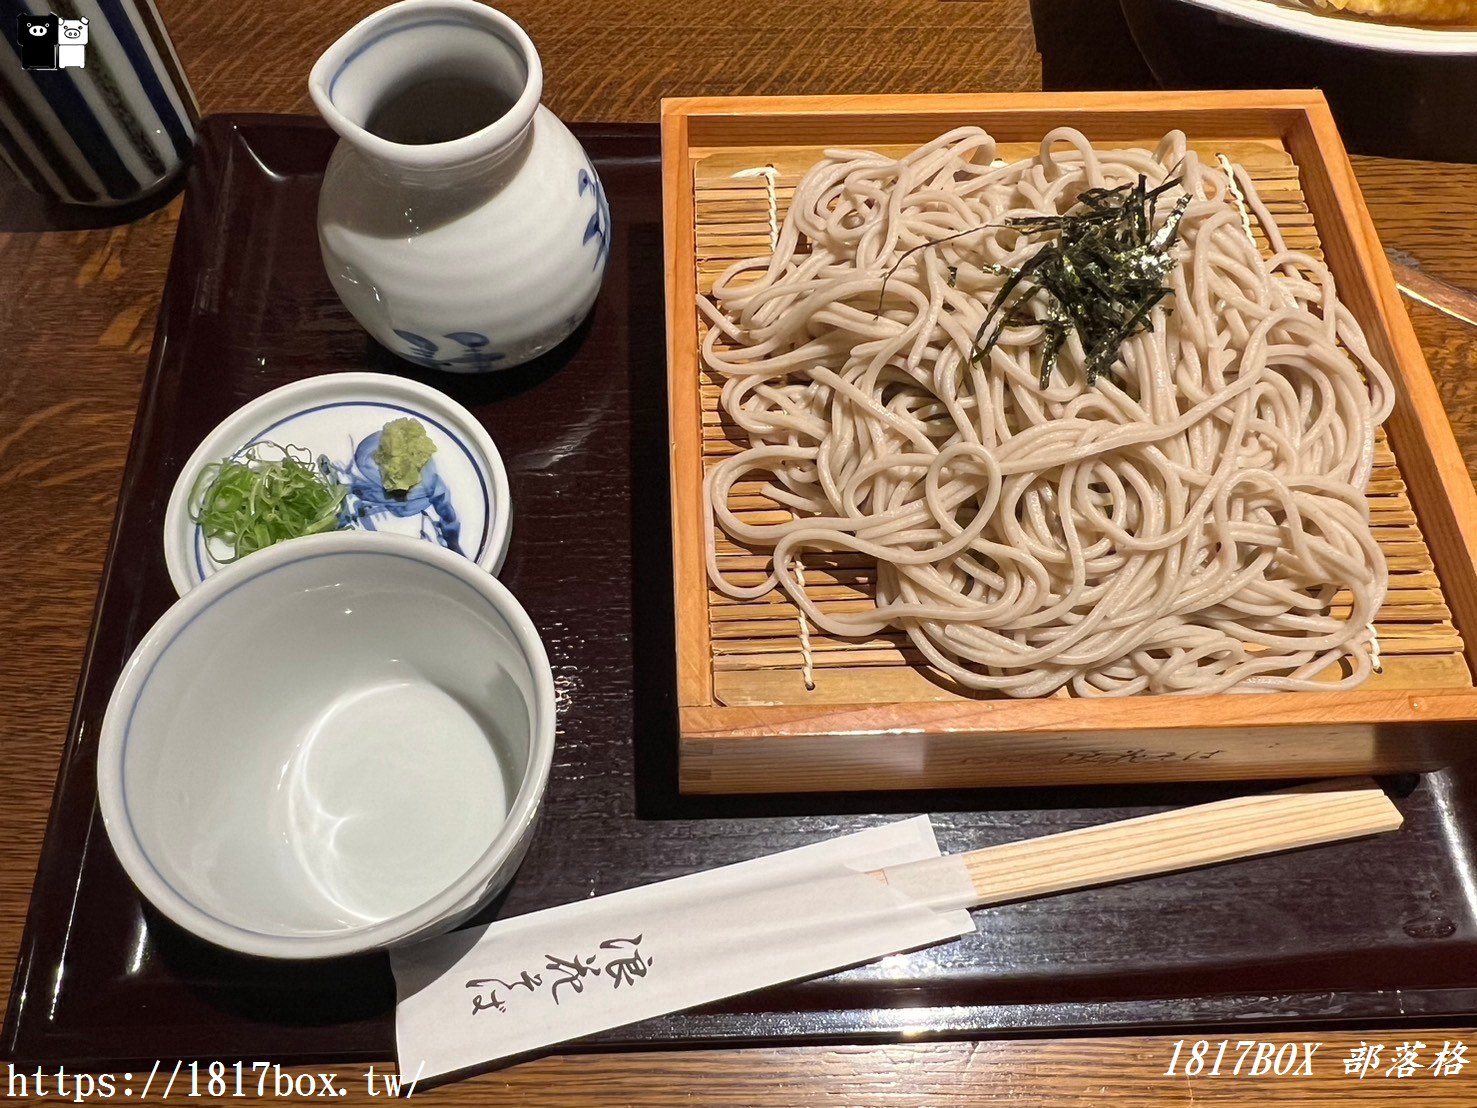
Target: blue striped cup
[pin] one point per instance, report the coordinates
(94, 106)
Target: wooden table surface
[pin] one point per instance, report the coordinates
(77, 311)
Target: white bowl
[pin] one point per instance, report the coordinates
(1395, 90)
(337, 744)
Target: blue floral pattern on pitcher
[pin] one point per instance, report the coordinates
(599, 225)
(473, 354)
(469, 351)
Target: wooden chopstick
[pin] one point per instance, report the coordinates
(1205, 835)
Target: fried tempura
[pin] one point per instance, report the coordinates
(1410, 11)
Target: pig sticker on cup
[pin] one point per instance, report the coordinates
(71, 47)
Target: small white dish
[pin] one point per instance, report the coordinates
(462, 503)
(335, 745)
(1331, 26)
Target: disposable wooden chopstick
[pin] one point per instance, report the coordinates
(1204, 835)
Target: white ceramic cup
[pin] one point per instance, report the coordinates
(337, 744)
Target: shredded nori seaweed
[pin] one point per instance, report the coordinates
(1100, 275)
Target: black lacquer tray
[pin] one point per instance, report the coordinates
(1374, 932)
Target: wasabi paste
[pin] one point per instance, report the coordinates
(403, 451)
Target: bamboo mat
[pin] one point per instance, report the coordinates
(761, 647)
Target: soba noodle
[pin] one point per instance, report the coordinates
(1195, 521)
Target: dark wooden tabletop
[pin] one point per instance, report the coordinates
(77, 312)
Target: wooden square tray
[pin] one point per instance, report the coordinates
(768, 704)
(1360, 931)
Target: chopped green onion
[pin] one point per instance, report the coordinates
(252, 500)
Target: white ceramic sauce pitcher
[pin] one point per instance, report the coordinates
(461, 223)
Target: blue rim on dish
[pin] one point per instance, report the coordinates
(462, 502)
